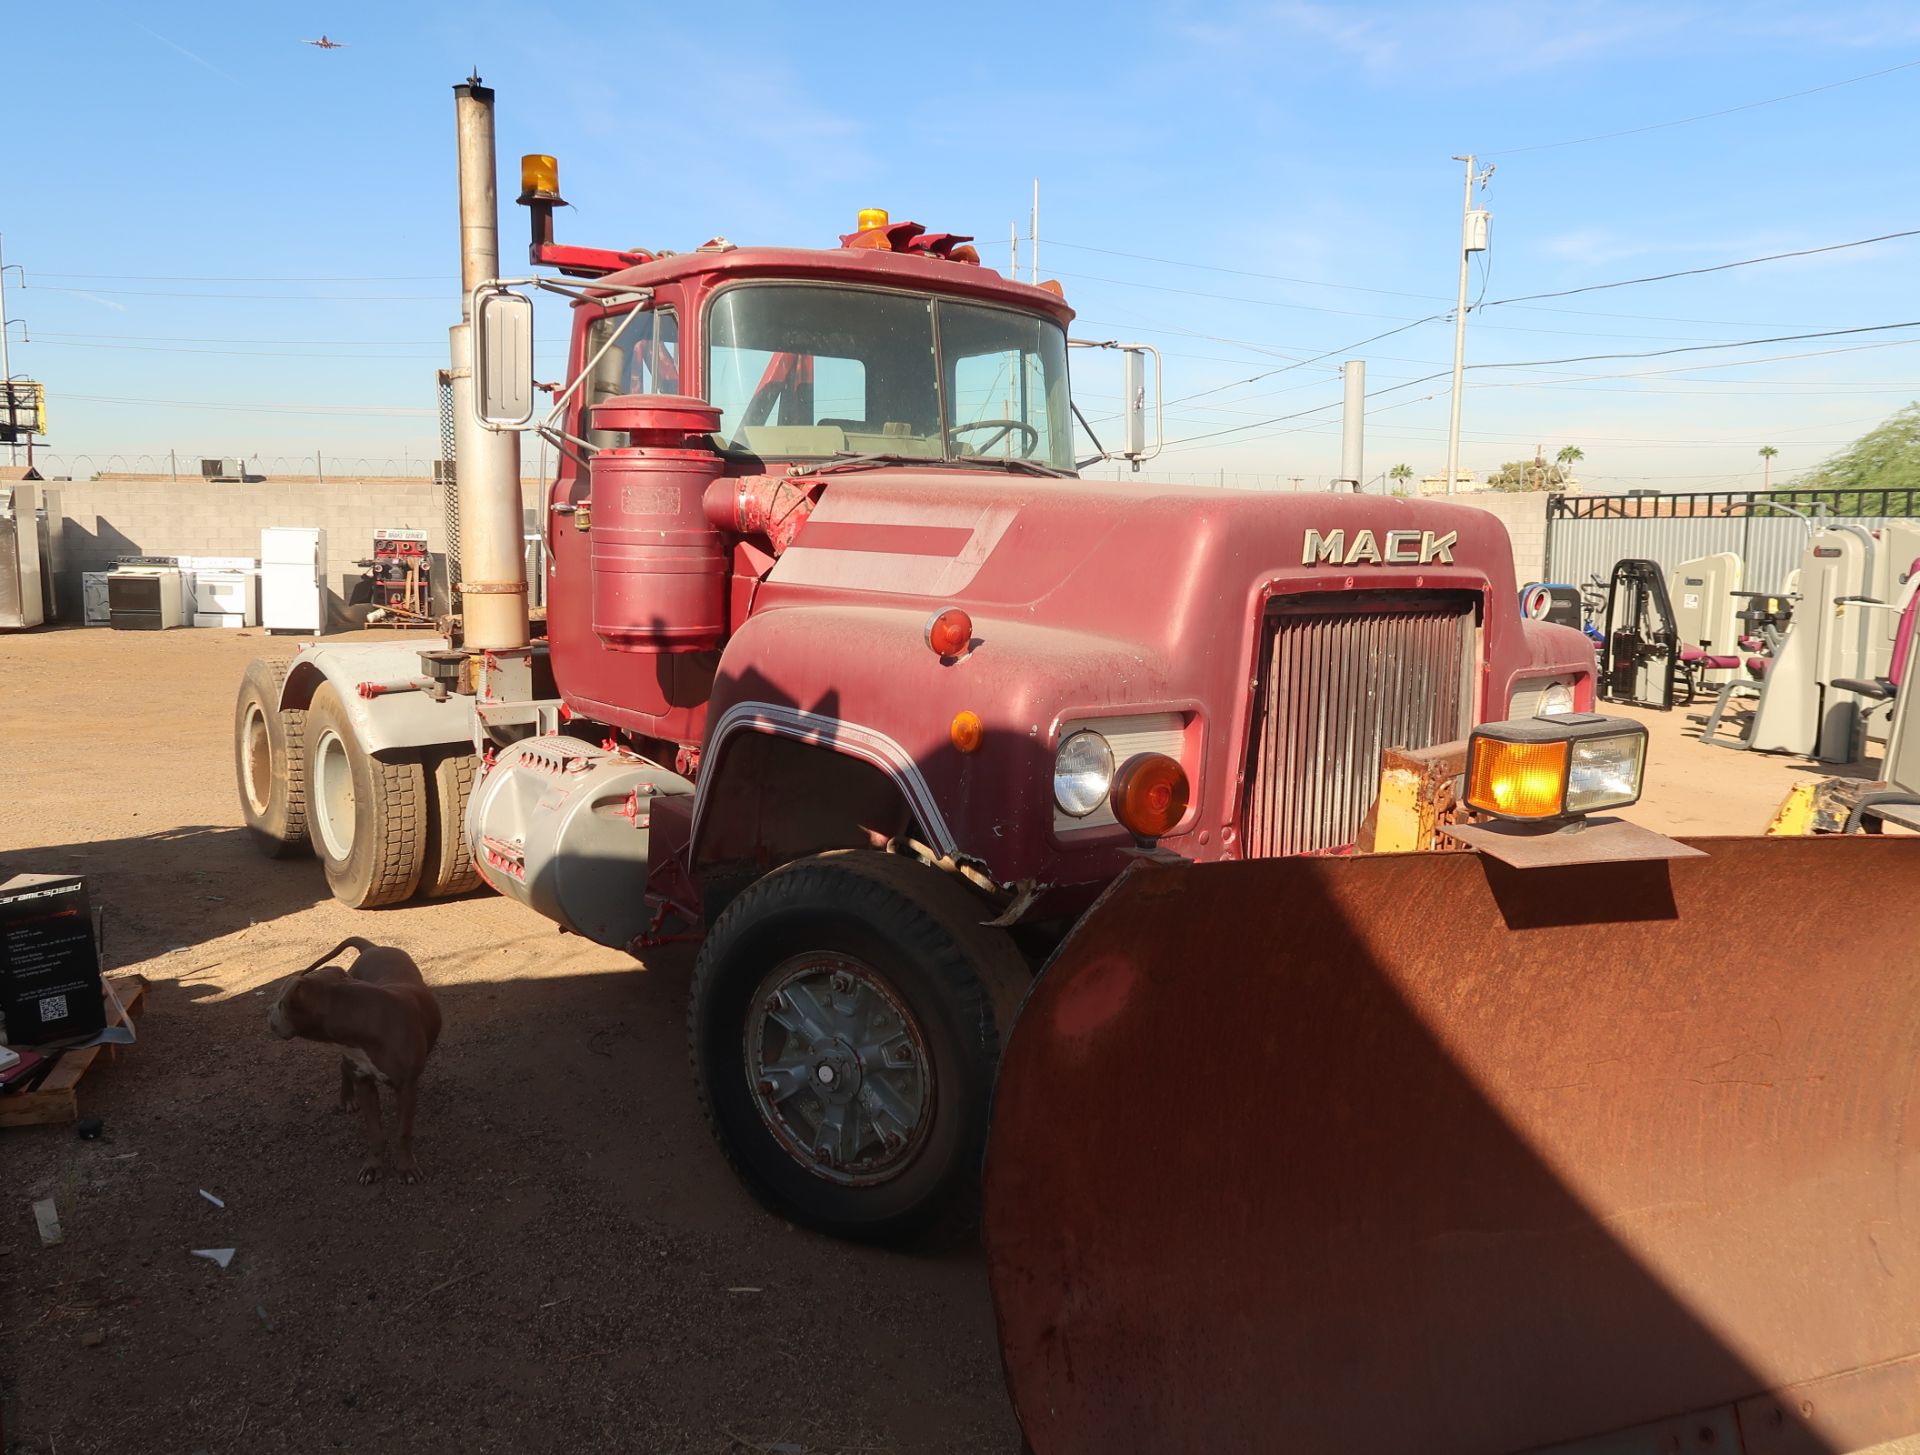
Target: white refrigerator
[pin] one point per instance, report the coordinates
(293, 590)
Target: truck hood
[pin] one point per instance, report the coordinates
(1151, 564)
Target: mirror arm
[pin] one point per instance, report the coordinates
(564, 443)
(1094, 459)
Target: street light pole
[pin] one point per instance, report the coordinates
(1473, 239)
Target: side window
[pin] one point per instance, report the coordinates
(644, 360)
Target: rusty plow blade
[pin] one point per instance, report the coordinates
(1424, 1154)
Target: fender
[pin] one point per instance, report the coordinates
(396, 722)
(860, 680)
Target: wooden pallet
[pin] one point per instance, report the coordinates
(57, 1097)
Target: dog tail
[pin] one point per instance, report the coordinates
(351, 942)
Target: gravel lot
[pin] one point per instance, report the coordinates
(579, 1270)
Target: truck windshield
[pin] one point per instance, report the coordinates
(805, 371)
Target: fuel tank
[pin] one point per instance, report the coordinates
(563, 827)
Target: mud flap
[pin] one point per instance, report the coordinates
(1421, 1153)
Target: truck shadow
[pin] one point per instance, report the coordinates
(578, 1270)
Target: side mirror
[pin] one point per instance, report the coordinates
(1135, 375)
(503, 359)
(1142, 430)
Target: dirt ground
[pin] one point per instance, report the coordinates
(578, 1271)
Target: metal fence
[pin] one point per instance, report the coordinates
(1587, 534)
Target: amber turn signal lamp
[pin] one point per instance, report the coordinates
(1518, 780)
(966, 730)
(949, 632)
(1150, 794)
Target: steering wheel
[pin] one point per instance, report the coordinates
(1005, 428)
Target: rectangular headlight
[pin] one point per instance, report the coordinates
(1605, 771)
(1555, 767)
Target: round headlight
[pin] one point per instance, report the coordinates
(1082, 774)
(1556, 701)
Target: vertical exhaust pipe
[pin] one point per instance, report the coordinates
(486, 462)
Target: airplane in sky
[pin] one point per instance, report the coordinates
(325, 44)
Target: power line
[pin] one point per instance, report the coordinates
(1715, 268)
(1785, 338)
(1539, 363)
(247, 277)
(1242, 272)
(1356, 313)
(169, 338)
(259, 297)
(40, 343)
(331, 411)
(1302, 363)
(1703, 116)
(1393, 293)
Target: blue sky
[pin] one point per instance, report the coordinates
(234, 243)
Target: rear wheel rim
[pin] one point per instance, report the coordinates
(838, 1069)
(256, 761)
(333, 795)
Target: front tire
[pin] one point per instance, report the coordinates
(845, 1024)
(270, 762)
(366, 816)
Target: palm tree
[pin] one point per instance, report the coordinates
(1400, 474)
(1568, 457)
(1767, 452)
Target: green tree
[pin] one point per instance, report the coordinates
(1886, 457)
(1526, 475)
(1767, 452)
(1400, 474)
(1568, 457)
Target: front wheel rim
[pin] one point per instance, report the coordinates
(838, 1069)
(333, 795)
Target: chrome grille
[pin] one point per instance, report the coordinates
(1339, 681)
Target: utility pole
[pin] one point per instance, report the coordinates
(1013, 251)
(1473, 239)
(1353, 423)
(1033, 235)
(6, 373)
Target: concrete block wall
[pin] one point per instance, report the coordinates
(1524, 513)
(106, 519)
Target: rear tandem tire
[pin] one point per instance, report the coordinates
(906, 999)
(366, 816)
(269, 745)
(449, 867)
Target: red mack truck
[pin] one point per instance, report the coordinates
(1045, 816)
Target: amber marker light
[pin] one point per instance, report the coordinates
(1518, 780)
(966, 730)
(1150, 794)
(949, 632)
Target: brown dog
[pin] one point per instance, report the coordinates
(384, 1018)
